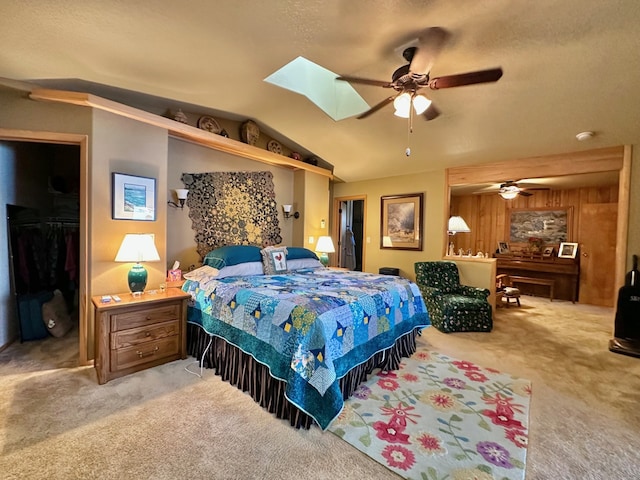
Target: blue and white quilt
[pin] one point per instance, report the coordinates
(309, 327)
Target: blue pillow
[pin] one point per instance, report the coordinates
(294, 253)
(232, 255)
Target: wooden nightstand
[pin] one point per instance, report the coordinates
(139, 332)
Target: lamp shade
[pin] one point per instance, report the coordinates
(181, 193)
(137, 247)
(324, 246)
(457, 225)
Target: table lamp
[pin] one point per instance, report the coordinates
(456, 225)
(324, 246)
(137, 247)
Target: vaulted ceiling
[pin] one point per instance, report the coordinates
(569, 66)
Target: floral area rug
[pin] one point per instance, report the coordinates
(438, 418)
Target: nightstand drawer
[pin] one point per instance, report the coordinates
(137, 336)
(144, 316)
(147, 352)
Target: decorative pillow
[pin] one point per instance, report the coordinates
(300, 252)
(274, 260)
(241, 270)
(300, 263)
(232, 255)
(55, 315)
(202, 274)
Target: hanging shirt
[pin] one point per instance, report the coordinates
(348, 257)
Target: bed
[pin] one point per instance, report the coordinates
(298, 337)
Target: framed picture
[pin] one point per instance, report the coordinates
(548, 251)
(503, 247)
(401, 222)
(568, 250)
(133, 197)
(550, 225)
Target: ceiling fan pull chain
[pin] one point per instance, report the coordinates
(407, 152)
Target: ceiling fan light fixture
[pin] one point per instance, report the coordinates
(402, 104)
(421, 103)
(509, 192)
(401, 114)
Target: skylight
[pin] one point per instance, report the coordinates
(337, 99)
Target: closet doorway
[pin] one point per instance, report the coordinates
(349, 228)
(44, 183)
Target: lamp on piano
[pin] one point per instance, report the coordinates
(456, 225)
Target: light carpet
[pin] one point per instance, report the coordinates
(56, 422)
(441, 418)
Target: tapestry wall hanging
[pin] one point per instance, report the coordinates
(232, 208)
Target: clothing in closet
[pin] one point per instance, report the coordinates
(348, 253)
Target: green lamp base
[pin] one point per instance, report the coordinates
(324, 259)
(137, 279)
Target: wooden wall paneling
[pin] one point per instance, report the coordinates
(487, 215)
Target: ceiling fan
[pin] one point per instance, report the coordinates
(409, 79)
(510, 189)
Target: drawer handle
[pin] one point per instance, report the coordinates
(147, 354)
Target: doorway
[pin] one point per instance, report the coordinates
(349, 213)
(611, 159)
(61, 159)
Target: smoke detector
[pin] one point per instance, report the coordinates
(582, 136)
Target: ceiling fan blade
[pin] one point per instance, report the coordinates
(364, 81)
(481, 76)
(377, 107)
(524, 193)
(430, 43)
(431, 113)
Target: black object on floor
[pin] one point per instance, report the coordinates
(389, 271)
(627, 323)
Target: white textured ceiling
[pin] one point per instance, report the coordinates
(569, 66)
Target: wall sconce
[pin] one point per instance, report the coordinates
(181, 193)
(287, 212)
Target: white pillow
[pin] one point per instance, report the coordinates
(203, 273)
(299, 263)
(241, 269)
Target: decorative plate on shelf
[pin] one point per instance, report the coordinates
(209, 124)
(274, 147)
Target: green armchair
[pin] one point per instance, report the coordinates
(452, 307)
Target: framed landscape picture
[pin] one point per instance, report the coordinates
(401, 222)
(133, 197)
(550, 225)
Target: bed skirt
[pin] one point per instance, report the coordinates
(244, 372)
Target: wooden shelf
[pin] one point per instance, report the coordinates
(176, 129)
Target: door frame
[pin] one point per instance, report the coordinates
(588, 161)
(83, 286)
(335, 227)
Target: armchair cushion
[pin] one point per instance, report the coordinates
(452, 307)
